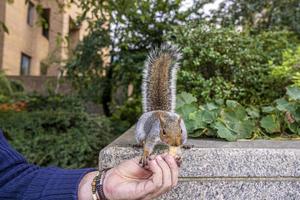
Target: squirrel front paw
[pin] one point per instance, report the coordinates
(144, 160)
(178, 160)
(145, 157)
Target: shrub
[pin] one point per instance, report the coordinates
(223, 63)
(54, 102)
(126, 115)
(65, 139)
(5, 86)
(10, 91)
(288, 72)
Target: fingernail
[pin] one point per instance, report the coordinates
(159, 157)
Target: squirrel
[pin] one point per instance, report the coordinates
(159, 123)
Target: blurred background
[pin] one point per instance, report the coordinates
(70, 71)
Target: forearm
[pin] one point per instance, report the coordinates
(21, 180)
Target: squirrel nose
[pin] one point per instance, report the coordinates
(177, 142)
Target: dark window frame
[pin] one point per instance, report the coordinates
(27, 72)
(46, 22)
(30, 13)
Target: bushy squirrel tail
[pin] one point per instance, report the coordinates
(159, 78)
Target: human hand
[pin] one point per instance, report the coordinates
(130, 181)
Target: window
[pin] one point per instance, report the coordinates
(30, 14)
(74, 34)
(43, 68)
(25, 64)
(46, 22)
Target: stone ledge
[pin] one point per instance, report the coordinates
(212, 169)
(240, 190)
(209, 158)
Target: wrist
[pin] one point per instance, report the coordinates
(85, 188)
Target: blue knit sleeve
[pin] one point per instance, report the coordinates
(21, 180)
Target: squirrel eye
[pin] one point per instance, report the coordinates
(164, 132)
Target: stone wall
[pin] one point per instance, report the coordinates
(41, 84)
(212, 169)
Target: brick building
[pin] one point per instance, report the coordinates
(31, 48)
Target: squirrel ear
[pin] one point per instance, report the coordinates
(179, 120)
(160, 117)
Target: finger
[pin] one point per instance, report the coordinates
(173, 167)
(130, 169)
(152, 188)
(145, 189)
(157, 178)
(166, 176)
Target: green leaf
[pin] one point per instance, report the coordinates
(268, 109)
(234, 124)
(253, 112)
(270, 123)
(235, 114)
(232, 104)
(196, 134)
(185, 110)
(293, 92)
(197, 121)
(184, 98)
(294, 128)
(220, 102)
(211, 106)
(190, 126)
(297, 114)
(224, 132)
(282, 104)
(207, 116)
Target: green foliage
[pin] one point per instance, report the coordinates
(293, 93)
(260, 15)
(17, 86)
(55, 102)
(289, 70)
(284, 115)
(232, 121)
(10, 91)
(126, 115)
(65, 139)
(135, 26)
(184, 98)
(270, 123)
(223, 63)
(86, 68)
(5, 86)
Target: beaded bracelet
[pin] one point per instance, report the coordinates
(94, 183)
(97, 185)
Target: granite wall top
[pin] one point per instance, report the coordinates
(254, 159)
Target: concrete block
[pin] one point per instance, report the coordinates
(215, 169)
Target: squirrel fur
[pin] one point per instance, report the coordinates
(159, 122)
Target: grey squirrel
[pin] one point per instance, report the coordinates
(159, 123)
